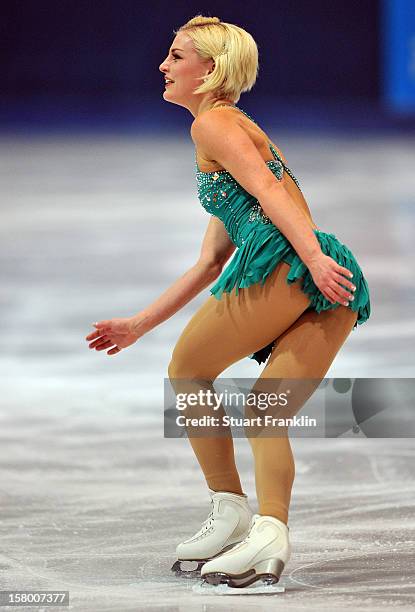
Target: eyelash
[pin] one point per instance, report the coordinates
(176, 56)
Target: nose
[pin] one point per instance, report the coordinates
(162, 68)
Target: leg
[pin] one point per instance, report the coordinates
(219, 334)
(304, 350)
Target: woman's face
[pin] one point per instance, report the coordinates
(183, 65)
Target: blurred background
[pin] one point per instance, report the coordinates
(100, 215)
(323, 65)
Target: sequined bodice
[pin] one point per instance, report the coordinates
(222, 196)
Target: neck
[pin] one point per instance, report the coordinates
(217, 105)
(214, 104)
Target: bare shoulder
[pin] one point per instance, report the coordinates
(213, 120)
(232, 125)
(210, 128)
(224, 139)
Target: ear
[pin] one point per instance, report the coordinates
(212, 68)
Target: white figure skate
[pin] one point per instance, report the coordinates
(227, 524)
(262, 555)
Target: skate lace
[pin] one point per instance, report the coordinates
(246, 538)
(207, 523)
(239, 544)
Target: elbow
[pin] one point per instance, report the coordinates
(270, 195)
(211, 268)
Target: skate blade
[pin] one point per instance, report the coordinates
(242, 580)
(187, 569)
(258, 588)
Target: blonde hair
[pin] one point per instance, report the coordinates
(233, 50)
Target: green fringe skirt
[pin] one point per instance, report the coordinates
(255, 260)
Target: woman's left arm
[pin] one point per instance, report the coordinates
(279, 206)
(328, 275)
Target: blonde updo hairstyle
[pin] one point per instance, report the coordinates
(233, 50)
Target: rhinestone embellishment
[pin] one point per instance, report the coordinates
(257, 214)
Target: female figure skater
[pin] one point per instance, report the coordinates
(286, 297)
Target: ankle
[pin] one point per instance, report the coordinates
(283, 518)
(228, 490)
(225, 487)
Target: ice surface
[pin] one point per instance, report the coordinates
(223, 589)
(93, 499)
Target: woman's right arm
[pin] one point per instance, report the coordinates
(216, 249)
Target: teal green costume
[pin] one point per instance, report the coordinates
(261, 245)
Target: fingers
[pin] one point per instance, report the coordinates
(101, 324)
(102, 327)
(330, 296)
(103, 345)
(337, 287)
(93, 335)
(345, 272)
(341, 280)
(344, 289)
(99, 342)
(114, 350)
(335, 298)
(340, 289)
(100, 338)
(338, 294)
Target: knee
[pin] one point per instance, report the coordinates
(184, 365)
(175, 368)
(190, 368)
(192, 360)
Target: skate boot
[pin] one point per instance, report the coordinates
(227, 524)
(262, 555)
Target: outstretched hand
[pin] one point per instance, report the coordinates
(118, 332)
(331, 279)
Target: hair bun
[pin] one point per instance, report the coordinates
(201, 20)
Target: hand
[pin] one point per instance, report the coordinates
(329, 277)
(121, 332)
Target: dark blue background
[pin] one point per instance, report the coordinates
(95, 64)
